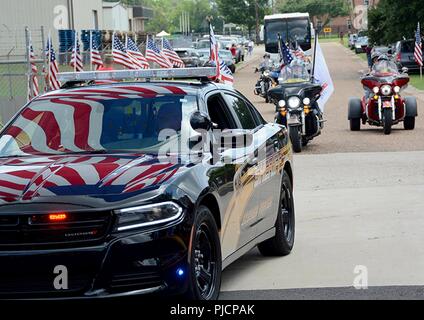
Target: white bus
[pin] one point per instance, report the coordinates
(293, 27)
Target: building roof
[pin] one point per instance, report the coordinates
(287, 16)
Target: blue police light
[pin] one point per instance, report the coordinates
(180, 272)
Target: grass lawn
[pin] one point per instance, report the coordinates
(417, 82)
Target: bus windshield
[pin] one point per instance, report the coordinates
(299, 30)
(291, 30)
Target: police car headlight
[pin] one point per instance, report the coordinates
(294, 103)
(306, 101)
(386, 90)
(147, 216)
(376, 90)
(396, 89)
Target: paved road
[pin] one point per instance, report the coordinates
(345, 69)
(358, 204)
(374, 293)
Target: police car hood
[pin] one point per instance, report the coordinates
(29, 178)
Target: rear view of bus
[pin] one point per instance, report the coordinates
(293, 27)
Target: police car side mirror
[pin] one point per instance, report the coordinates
(200, 122)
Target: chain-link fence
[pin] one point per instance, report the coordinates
(14, 68)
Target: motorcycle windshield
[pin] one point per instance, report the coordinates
(384, 69)
(294, 74)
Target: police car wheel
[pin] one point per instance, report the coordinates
(283, 241)
(205, 258)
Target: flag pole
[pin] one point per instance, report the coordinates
(49, 59)
(113, 42)
(91, 50)
(314, 57)
(28, 52)
(75, 51)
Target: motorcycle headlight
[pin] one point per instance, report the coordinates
(281, 103)
(306, 101)
(376, 90)
(396, 89)
(294, 102)
(386, 90)
(147, 215)
(267, 73)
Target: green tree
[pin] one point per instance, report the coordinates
(167, 14)
(392, 20)
(322, 9)
(243, 12)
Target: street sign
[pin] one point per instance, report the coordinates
(327, 30)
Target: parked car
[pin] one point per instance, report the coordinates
(352, 40)
(228, 42)
(114, 207)
(224, 55)
(206, 44)
(189, 56)
(404, 56)
(361, 44)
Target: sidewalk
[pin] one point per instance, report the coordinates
(257, 55)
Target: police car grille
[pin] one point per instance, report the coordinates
(25, 231)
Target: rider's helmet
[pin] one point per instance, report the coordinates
(267, 55)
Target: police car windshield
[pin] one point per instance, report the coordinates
(96, 124)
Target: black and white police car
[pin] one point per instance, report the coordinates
(137, 187)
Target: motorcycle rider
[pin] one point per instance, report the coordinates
(380, 64)
(266, 63)
(296, 72)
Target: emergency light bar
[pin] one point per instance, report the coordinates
(178, 73)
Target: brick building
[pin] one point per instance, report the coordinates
(353, 22)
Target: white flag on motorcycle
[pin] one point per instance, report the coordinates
(323, 76)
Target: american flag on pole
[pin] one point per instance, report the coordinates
(172, 56)
(34, 89)
(154, 54)
(137, 57)
(418, 54)
(214, 55)
(226, 75)
(298, 53)
(120, 55)
(285, 54)
(53, 68)
(95, 56)
(76, 59)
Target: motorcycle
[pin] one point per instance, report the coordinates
(268, 79)
(296, 104)
(383, 105)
